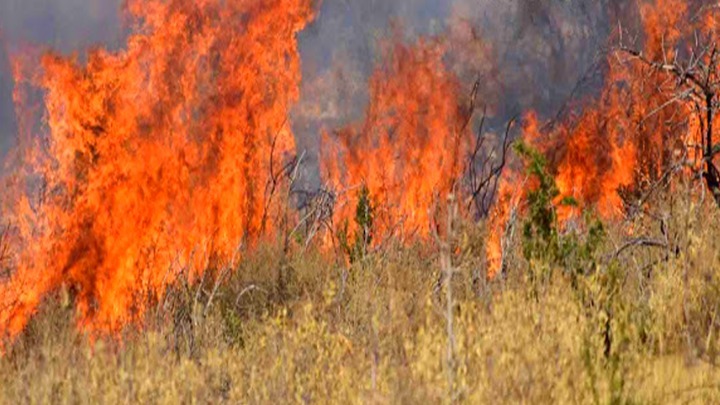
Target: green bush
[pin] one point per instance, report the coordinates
(356, 245)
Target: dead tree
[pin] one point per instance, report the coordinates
(697, 81)
(484, 168)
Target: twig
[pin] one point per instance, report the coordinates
(250, 288)
(647, 242)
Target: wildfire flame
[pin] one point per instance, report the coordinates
(156, 158)
(409, 149)
(627, 137)
(161, 159)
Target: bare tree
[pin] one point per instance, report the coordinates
(697, 81)
(485, 165)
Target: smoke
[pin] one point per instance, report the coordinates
(529, 54)
(546, 52)
(65, 26)
(7, 116)
(339, 52)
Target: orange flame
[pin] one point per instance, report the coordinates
(160, 159)
(409, 149)
(155, 158)
(629, 136)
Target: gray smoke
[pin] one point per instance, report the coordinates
(339, 52)
(547, 51)
(64, 25)
(7, 115)
(540, 50)
(526, 54)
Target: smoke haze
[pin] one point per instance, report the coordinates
(65, 26)
(528, 53)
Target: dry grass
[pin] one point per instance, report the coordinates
(640, 328)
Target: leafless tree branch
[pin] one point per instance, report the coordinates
(697, 79)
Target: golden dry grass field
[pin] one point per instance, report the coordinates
(618, 323)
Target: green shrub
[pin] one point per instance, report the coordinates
(356, 246)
